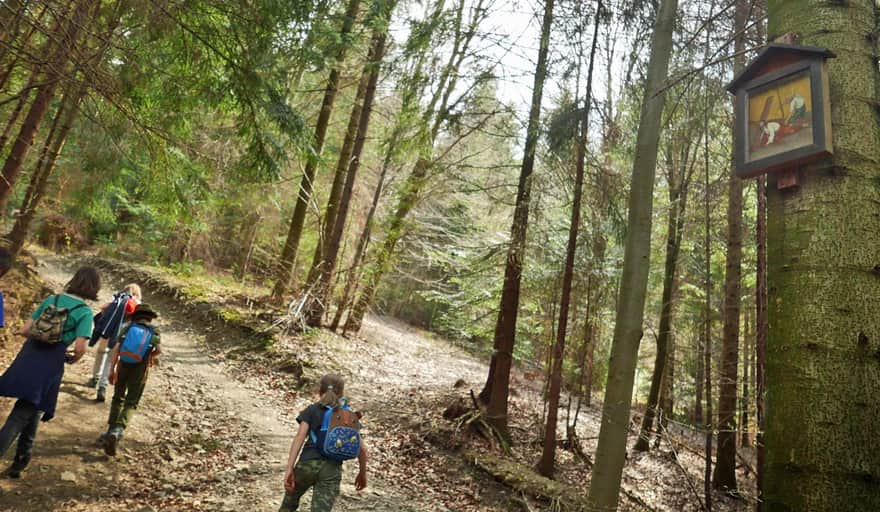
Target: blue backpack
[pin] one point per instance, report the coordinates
(136, 344)
(339, 437)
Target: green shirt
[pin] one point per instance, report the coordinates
(79, 320)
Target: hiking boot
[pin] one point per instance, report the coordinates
(92, 382)
(17, 467)
(102, 394)
(110, 444)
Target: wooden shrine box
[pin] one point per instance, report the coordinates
(783, 114)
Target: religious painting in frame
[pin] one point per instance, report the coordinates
(782, 116)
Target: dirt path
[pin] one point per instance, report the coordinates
(211, 437)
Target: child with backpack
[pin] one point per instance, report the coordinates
(328, 434)
(130, 362)
(34, 377)
(108, 324)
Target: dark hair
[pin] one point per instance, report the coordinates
(5, 260)
(331, 388)
(86, 283)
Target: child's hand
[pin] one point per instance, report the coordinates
(289, 482)
(360, 483)
(112, 378)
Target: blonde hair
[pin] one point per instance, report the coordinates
(133, 290)
(331, 388)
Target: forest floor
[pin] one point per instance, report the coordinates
(214, 428)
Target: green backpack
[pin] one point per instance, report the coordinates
(49, 326)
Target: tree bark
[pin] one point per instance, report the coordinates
(699, 378)
(760, 328)
(373, 275)
(294, 234)
(744, 399)
(497, 388)
(24, 96)
(611, 449)
(342, 163)
(11, 13)
(410, 98)
(66, 42)
(673, 243)
(548, 455)
(436, 113)
(724, 477)
(326, 265)
(61, 125)
(351, 283)
(24, 40)
(707, 312)
(823, 252)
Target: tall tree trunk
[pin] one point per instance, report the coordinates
(61, 125)
(436, 113)
(321, 285)
(24, 96)
(291, 246)
(353, 279)
(58, 62)
(724, 477)
(410, 97)
(760, 296)
(760, 329)
(11, 13)
(699, 378)
(342, 163)
(611, 450)
(667, 391)
(394, 231)
(548, 455)
(707, 312)
(823, 252)
(587, 348)
(23, 41)
(673, 243)
(744, 399)
(495, 393)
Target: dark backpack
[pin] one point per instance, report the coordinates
(136, 345)
(49, 326)
(339, 436)
(113, 316)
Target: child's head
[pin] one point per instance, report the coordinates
(133, 290)
(86, 283)
(331, 388)
(144, 314)
(5, 261)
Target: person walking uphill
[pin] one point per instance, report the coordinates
(328, 434)
(108, 324)
(130, 364)
(34, 377)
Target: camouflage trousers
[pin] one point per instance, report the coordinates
(322, 475)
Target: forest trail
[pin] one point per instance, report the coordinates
(205, 438)
(213, 433)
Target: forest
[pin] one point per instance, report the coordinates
(517, 229)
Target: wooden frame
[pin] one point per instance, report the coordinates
(763, 146)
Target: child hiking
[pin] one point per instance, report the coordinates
(34, 377)
(130, 364)
(108, 323)
(327, 434)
